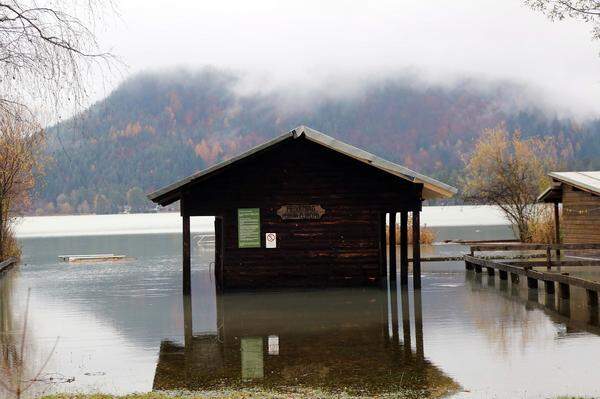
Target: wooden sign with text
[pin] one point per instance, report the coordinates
(306, 212)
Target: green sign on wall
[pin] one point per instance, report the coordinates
(248, 228)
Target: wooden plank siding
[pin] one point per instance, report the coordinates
(581, 227)
(580, 218)
(340, 248)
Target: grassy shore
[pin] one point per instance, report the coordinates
(252, 393)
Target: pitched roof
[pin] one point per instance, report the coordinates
(586, 181)
(431, 187)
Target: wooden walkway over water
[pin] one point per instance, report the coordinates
(545, 269)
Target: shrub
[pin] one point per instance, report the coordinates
(427, 235)
(541, 227)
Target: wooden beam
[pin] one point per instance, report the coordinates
(531, 247)
(405, 319)
(219, 253)
(528, 272)
(188, 322)
(187, 262)
(416, 222)
(418, 325)
(556, 228)
(393, 290)
(562, 263)
(404, 248)
(392, 246)
(382, 246)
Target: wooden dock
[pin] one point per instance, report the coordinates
(91, 258)
(551, 274)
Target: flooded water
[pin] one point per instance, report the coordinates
(124, 327)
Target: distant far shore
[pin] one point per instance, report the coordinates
(170, 222)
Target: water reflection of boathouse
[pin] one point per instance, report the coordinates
(326, 339)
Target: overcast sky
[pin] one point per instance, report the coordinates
(317, 41)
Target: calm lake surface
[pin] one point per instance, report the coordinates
(121, 327)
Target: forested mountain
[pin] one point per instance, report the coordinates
(158, 127)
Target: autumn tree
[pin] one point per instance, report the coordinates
(21, 161)
(47, 50)
(508, 171)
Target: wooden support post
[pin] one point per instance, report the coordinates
(382, 246)
(416, 222)
(418, 325)
(503, 274)
(549, 285)
(219, 253)
(478, 269)
(564, 291)
(469, 266)
(404, 248)
(393, 290)
(557, 228)
(514, 278)
(188, 322)
(592, 298)
(548, 258)
(490, 271)
(405, 320)
(187, 262)
(393, 246)
(532, 283)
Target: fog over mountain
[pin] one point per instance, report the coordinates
(160, 126)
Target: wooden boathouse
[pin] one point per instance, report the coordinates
(304, 210)
(579, 194)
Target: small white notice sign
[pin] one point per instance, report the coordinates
(271, 240)
(273, 345)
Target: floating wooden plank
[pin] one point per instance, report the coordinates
(91, 258)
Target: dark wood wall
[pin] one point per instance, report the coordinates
(340, 248)
(580, 216)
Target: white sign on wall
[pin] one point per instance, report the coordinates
(271, 240)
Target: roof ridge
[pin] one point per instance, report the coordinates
(432, 188)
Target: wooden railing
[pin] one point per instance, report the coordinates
(509, 265)
(531, 247)
(547, 248)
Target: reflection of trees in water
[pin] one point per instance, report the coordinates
(9, 358)
(17, 373)
(506, 323)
